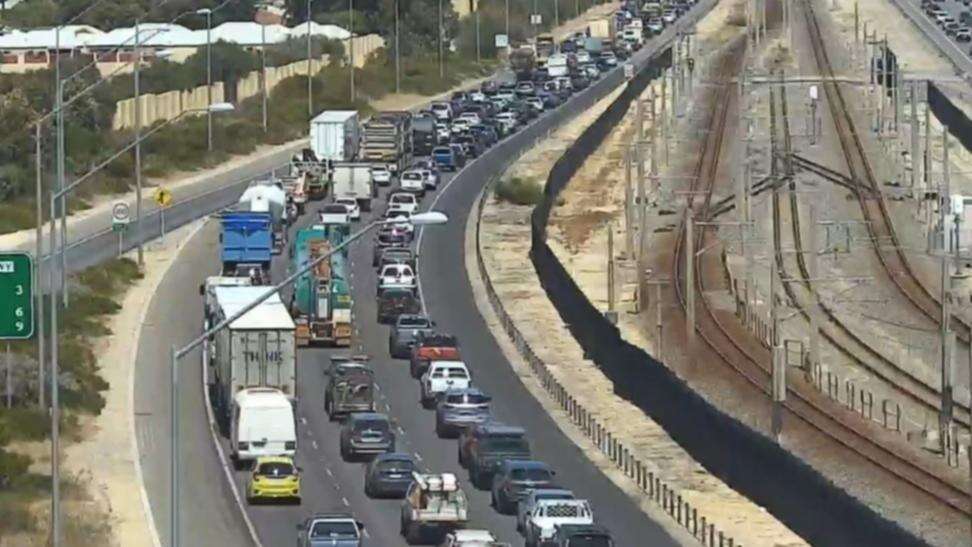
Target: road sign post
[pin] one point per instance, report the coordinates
(163, 198)
(16, 296)
(120, 218)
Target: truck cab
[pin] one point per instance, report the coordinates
(444, 157)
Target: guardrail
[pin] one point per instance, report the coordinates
(659, 491)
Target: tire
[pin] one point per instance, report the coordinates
(439, 430)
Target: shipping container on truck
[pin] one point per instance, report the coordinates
(545, 46)
(601, 28)
(354, 180)
(256, 350)
(321, 303)
(335, 135)
(387, 139)
(246, 243)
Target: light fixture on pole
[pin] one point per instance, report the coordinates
(398, 53)
(351, 45)
(429, 218)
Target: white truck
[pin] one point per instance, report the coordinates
(256, 350)
(548, 514)
(442, 376)
(335, 135)
(263, 425)
(354, 180)
(208, 291)
(558, 65)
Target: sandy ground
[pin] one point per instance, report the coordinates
(579, 222)
(596, 200)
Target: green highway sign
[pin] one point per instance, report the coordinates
(16, 296)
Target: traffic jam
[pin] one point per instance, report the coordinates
(374, 179)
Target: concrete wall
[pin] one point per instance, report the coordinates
(165, 106)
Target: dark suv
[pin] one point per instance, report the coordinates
(514, 479)
(395, 302)
(483, 448)
(366, 434)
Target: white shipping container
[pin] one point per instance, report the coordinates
(354, 180)
(258, 349)
(335, 135)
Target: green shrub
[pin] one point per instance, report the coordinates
(519, 191)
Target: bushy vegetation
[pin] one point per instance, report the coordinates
(519, 191)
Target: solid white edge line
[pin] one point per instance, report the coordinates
(133, 359)
(227, 473)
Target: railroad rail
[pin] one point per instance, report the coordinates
(873, 205)
(843, 339)
(751, 360)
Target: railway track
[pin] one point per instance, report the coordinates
(873, 205)
(839, 335)
(748, 358)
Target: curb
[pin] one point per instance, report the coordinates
(143, 493)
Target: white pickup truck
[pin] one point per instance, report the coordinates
(396, 276)
(547, 515)
(442, 376)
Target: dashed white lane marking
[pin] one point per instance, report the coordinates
(314, 443)
(303, 420)
(417, 456)
(345, 502)
(328, 471)
(366, 534)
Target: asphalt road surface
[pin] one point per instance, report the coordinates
(208, 511)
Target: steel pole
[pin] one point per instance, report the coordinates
(60, 184)
(441, 60)
(556, 7)
(174, 432)
(351, 44)
(398, 53)
(310, 77)
(209, 80)
(479, 57)
(55, 399)
(39, 244)
(507, 22)
(263, 71)
(138, 151)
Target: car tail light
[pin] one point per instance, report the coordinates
(290, 445)
(242, 445)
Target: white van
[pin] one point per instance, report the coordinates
(263, 424)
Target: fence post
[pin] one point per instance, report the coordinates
(678, 518)
(695, 523)
(703, 530)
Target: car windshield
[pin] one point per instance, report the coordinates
(339, 529)
(406, 321)
(275, 469)
(396, 466)
(347, 201)
(589, 540)
(334, 209)
(467, 398)
(395, 294)
(399, 198)
(506, 444)
(376, 425)
(532, 474)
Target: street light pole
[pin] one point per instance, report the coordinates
(310, 76)
(398, 54)
(55, 397)
(419, 219)
(138, 149)
(209, 78)
(351, 44)
(39, 243)
(263, 72)
(479, 57)
(441, 67)
(507, 21)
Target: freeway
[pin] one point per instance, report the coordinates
(957, 53)
(207, 507)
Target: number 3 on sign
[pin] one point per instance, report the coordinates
(19, 290)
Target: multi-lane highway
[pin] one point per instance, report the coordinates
(209, 514)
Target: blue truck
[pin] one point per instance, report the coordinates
(246, 244)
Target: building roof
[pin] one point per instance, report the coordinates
(161, 35)
(270, 314)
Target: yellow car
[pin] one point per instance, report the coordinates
(274, 477)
